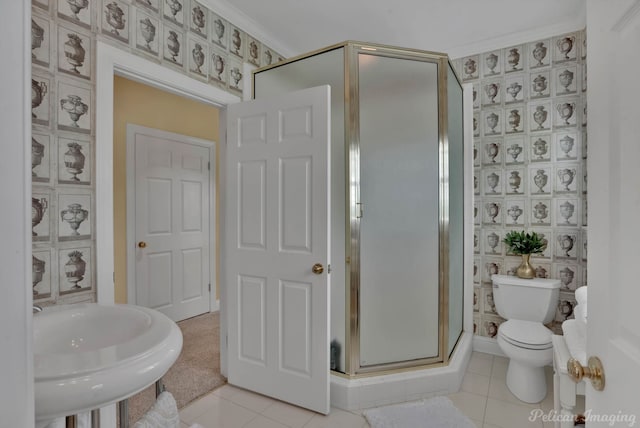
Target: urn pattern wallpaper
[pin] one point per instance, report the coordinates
(181, 34)
(530, 150)
(530, 140)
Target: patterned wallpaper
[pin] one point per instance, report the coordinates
(530, 149)
(529, 128)
(183, 35)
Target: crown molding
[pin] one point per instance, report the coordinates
(248, 25)
(578, 23)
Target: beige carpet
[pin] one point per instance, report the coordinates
(196, 371)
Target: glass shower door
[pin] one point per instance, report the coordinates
(399, 197)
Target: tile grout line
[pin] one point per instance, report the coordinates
(228, 400)
(486, 403)
(283, 423)
(252, 419)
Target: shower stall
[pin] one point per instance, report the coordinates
(397, 185)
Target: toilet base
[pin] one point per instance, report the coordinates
(527, 383)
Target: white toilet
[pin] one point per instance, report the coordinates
(526, 304)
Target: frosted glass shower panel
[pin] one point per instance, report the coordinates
(399, 196)
(455, 153)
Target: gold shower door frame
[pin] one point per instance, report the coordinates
(352, 139)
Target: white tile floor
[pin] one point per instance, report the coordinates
(484, 398)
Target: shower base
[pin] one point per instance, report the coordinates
(372, 391)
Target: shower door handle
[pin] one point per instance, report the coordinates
(317, 268)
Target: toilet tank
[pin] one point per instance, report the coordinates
(525, 299)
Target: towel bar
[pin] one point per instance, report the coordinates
(72, 421)
(123, 412)
(123, 406)
(564, 389)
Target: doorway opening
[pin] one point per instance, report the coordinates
(164, 192)
(164, 200)
(111, 62)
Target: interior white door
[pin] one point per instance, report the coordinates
(613, 33)
(172, 222)
(278, 229)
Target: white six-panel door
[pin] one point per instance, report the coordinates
(172, 222)
(277, 230)
(613, 334)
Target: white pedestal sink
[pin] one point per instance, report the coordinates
(88, 356)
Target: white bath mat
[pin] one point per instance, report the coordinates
(437, 412)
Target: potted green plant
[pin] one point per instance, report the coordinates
(524, 244)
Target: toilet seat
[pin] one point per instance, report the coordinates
(530, 335)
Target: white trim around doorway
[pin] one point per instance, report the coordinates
(112, 61)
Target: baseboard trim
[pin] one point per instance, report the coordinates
(487, 345)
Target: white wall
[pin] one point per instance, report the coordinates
(16, 367)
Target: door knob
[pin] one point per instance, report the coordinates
(317, 268)
(142, 244)
(593, 371)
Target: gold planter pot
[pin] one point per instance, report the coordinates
(525, 270)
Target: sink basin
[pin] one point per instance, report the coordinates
(90, 355)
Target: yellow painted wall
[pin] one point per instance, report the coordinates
(144, 105)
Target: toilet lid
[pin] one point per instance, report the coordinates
(526, 334)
